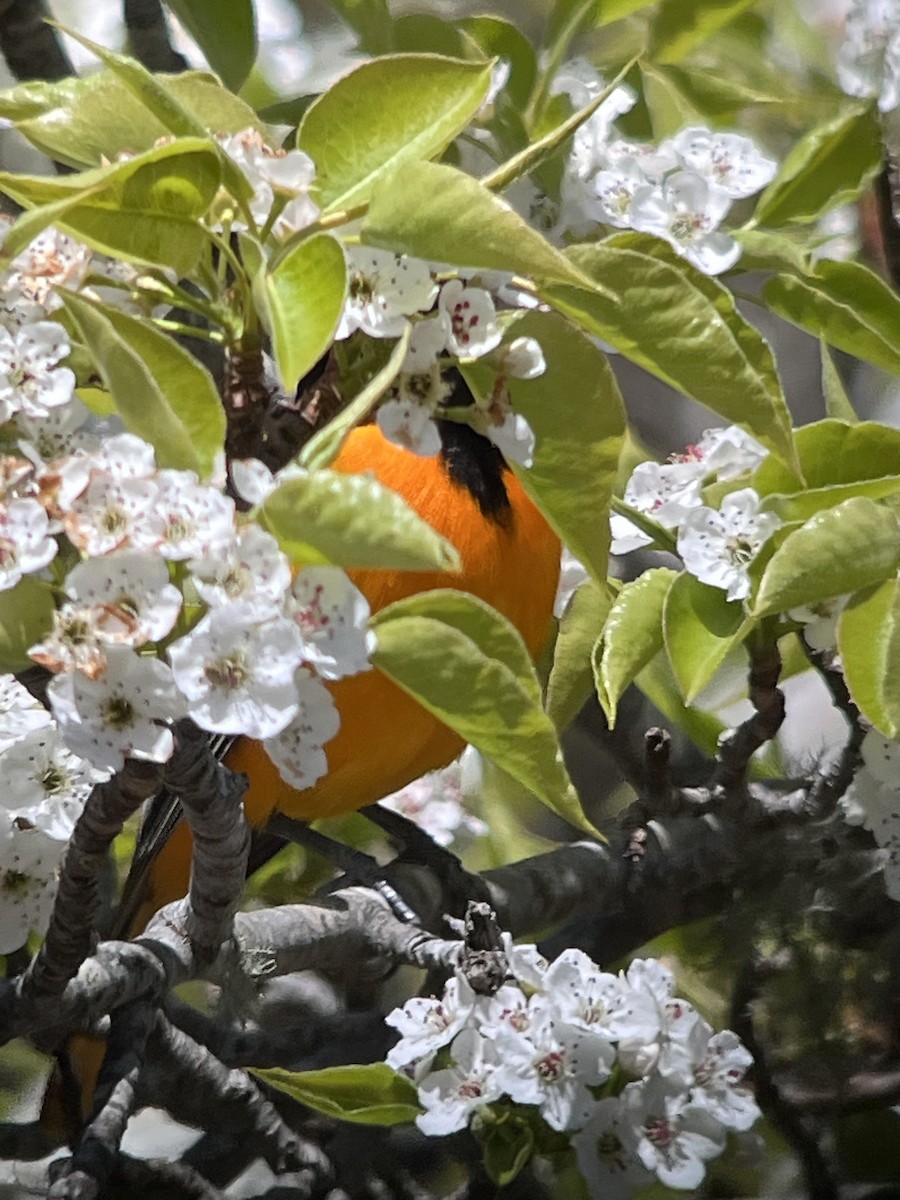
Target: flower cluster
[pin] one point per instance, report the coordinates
(640, 1079)
(45, 786)
(280, 179)
(436, 803)
(681, 190)
(716, 545)
(868, 62)
(450, 321)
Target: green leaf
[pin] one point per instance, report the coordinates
(829, 166)
(576, 412)
(325, 445)
(389, 112)
(869, 645)
(841, 549)
(501, 39)
(683, 327)
(658, 684)
(161, 392)
(426, 33)
(352, 521)
(571, 676)
(701, 627)
(767, 251)
(632, 636)
(26, 616)
(225, 30)
(508, 1147)
(436, 212)
(82, 121)
(670, 110)
(800, 506)
(715, 96)
(837, 402)
(305, 293)
(367, 1095)
(679, 27)
(146, 209)
(835, 452)
(468, 665)
(846, 304)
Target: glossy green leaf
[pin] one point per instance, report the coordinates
(436, 212)
(370, 20)
(466, 664)
(683, 327)
(829, 166)
(352, 521)
(717, 97)
(679, 27)
(576, 412)
(845, 303)
(146, 209)
(835, 452)
(571, 676)
(837, 402)
(26, 616)
(366, 1095)
(800, 506)
(761, 249)
(839, 550)
(387, 112)
(632, 636)
(869, 645)
(305, 293)
(82, 121)
(499, 38)
(701, 627)
(160, 391)
(225, 30)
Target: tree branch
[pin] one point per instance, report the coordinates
(148, 36)
(31, 47)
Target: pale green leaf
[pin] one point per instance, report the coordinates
(366, 1095)
(499, 38)
(683, 327)
(466, 664)
(835, 452)
(837, 402)
(839, 550)
(388, 112)
(571, 676)
(679, 27)
(352, 521)
(370, 20)
(830, 165)
(845, 303)
(436, 212)
(632, 636)
(160, 391)
(26, 617)
(701, 628)
(225, 30)
(305, 293)
(146, 209)
(869, 645)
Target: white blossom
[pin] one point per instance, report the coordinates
(252, 479)
(601, 1005)
(250, 567)
(137, 585)
(45, 782)
(673, 1138)
(731, 162)
(52, 260)
(718, 1081)
(820, 622)
(728, 452)
(686, 210)
(20, 712)
(510, 433)
(29, 860)
(428, 339)
(384, 290)
(297, 750)
(57, 434)
(274, 172)
(238, 671)
(25, 542)
(451, 1095)
(121, 457)
(31, 380)
(615, 188)
(111, 513)
(435, 803)
(331, 614)
(718, 547)
(409, 424)
(121, 714)
(572, 574)
(473, 320)
(605, 1158)
(189, 518)
(666, 492)
(427, 1024)
(552, 1066)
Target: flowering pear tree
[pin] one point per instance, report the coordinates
(204, 289)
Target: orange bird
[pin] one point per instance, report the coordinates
(509, 558)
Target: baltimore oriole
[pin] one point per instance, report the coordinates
(509, 558)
